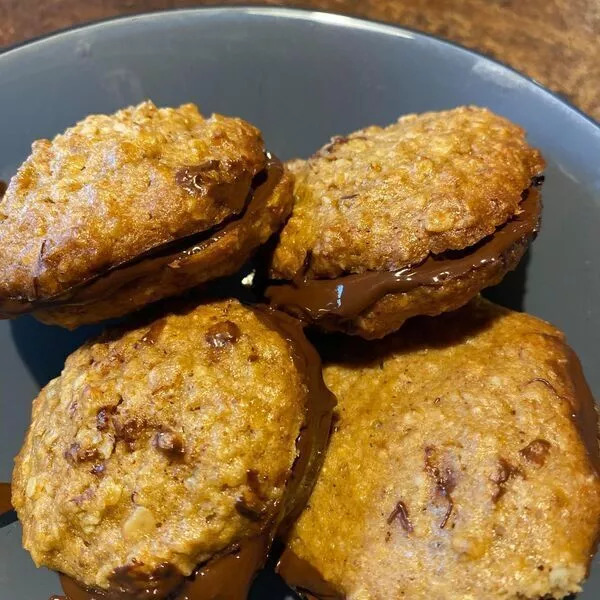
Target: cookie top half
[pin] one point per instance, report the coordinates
(114, 187)
(170, 444)
(463, 464)
(381, 199)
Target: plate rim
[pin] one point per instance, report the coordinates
(305, 14)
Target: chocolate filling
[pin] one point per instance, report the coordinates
(7, 513)
(584, 414)
(314, 434)
(104, 284)
(349, 296)
(305, 578)
(230, 575)
(5, 502)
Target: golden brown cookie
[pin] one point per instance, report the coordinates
(124, 209)
(404, 220)
(463, 464)
(174, 447)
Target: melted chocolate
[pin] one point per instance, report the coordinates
(169, 255)
(302, 576)
(584, 413)
(536, 452)
(583, 406)
(7, 513)
(126, 585)
(3, 186)
(5, 502)
(229, 576)
(297, 572)
(348, 296)
(504, 473)
(222, 334)
(314, 435)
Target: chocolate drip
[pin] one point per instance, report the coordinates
(299, 573)
(584, 412)
(348, 296)
(75, 591)
(229, 576)
(7, 514)
(304, 578)
(314, 435)
(104, 284)
(5, 501)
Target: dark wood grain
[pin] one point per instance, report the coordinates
(556, 42)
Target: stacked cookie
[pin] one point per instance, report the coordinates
(173, 450)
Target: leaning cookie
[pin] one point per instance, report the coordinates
(124, 209)
(464, 464)
(414, 218)
(165, 457)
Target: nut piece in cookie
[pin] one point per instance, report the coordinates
(411, 219)
(463, 464)
(173, 448)
(122, 210)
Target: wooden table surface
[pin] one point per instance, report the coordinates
(557, 42)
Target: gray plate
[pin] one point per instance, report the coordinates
(301, 77)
